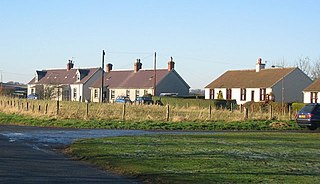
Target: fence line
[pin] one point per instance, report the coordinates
(67, 109)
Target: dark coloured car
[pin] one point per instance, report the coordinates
(123, 99)
(144, 100)
(309, 116)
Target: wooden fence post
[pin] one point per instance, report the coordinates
(241, 108)
(270, 111)
(46, 111)
(246, 113)
(124, 112)
(87, 109)
(27, 106)
(32, 107)
(58, 107)
(168, 113)
(210, 111)
(39, 108)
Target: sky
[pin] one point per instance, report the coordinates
(204, 37)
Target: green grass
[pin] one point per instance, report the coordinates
(244, 157)
(18, 119)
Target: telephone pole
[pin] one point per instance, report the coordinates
(102, 76)
(155, 74)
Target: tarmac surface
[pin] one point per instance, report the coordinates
(27, 155)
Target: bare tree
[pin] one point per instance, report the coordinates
(315, 70)
(304, 63)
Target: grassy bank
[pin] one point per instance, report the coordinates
(216, 158)
(191, 112)
(18, 119)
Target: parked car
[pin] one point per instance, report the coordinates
(32, 96)
(123, 99)
(309, 116)
(144, 100)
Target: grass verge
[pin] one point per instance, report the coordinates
(18, 119)
(262, 157)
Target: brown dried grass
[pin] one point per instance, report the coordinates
(109, 111)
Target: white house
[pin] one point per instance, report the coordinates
(139, 82)
(277, 84)
(65, 84)
(312, 92)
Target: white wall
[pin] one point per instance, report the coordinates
(206, 93)
(236, 94)
(132, 96)
(307, 97)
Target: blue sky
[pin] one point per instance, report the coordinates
(205, 37)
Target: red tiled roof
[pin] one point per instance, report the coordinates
(131, 79)
(63, 76)
(250, 78)
(315, 86)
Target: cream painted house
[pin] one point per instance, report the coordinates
(139, 82)
(312, 92)
(262, 84)
(65, 84)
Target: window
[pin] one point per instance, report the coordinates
(314, 97)
(137, 93)
(229, 94)
(262, 94)
(243, 94)
(112, 94)
(252, 95)
(95, 93)
(145, 92)
(32, 91)
(128, 93)
(211, 93)
(74, 93)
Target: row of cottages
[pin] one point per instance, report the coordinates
(262, 84)
(67, 84)
(139, 82)
(85, 84)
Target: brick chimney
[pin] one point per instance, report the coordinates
(108, 67)
(170, 64)
(70, 65)
(259, 65)
(137, 66)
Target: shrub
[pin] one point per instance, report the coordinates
(297, 106)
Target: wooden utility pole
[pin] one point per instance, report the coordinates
(155, 74)
(102, 76)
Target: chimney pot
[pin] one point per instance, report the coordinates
(170, 64)
(109, 67)
(259, 65)
(70, 65)
(137, 65)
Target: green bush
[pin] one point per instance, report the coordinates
(297, 106)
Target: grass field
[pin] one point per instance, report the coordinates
(245, 157)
